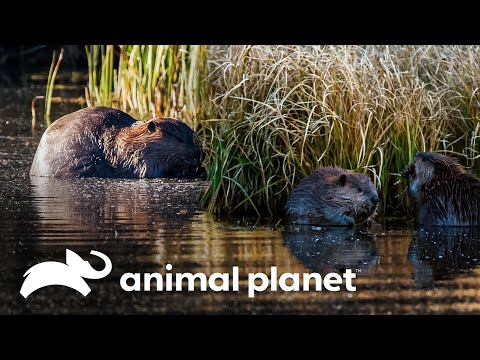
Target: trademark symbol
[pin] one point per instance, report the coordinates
(358, 270)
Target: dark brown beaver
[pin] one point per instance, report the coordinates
(332, 196)
(105, 142)
(444, 193)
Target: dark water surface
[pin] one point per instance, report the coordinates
(142, 225)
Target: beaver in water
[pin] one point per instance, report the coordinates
(332, 196)
(105, 142)
(443, 192)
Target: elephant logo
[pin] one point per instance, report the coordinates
(70, 274)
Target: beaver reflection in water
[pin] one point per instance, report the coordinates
(333, 248)
(332, 196)
(105, 142)
(443, 253)
(443, 192)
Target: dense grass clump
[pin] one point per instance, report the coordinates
(148, 80)
(269, 115)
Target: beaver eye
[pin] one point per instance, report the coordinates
(151, 127)
(359, 189)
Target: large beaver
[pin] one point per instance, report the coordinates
(444, 193)
(105, 142)
(332, 196)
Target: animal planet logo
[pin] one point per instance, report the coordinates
(70, 274)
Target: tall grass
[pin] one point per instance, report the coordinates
(50, 84)
(270, 115)
(52, 74)
(100, 80)
(148, 80)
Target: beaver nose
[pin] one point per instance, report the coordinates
(375, 199)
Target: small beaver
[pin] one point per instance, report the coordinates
(444, 193)
(105, 142)
(332, 196)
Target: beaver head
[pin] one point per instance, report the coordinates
(162, 147)
(429, 167)
(358, 194)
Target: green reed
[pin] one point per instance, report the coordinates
(48, 97)
(148, 80)
(50, 84)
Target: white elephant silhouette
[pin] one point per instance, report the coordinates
(70, 274)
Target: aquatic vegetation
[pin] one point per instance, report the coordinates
(50, 84)
(148, 80)
(48, 91)
(269, 115)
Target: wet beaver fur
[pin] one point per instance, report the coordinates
(443, 192)
(332, 196)
(105, 142)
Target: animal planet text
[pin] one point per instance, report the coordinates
(257, 282)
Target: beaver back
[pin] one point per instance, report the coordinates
(453, 202)
(73, 145)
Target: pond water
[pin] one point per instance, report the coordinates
(142, 225)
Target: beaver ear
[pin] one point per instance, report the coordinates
(438, 168)
(343, 179)
(151, 126)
